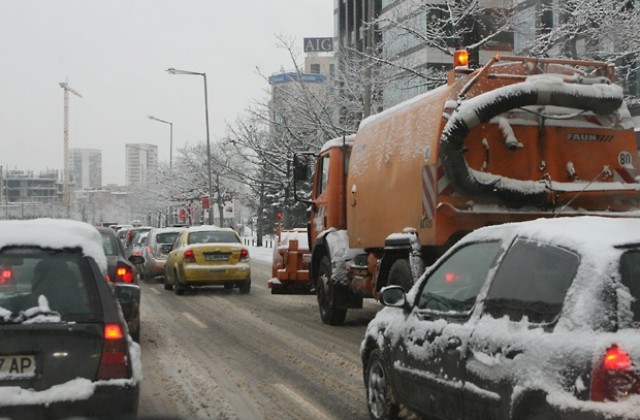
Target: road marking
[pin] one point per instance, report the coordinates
(156, 291)
(194, 320)
(314, 412)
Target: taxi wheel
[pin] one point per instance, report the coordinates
(177, 286)
(245, 287)
(165, 282)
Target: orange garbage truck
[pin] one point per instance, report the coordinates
(517, 139)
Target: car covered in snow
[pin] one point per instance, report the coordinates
(64, 346)
(531, 320)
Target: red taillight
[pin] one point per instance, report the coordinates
(613, 377)
(113, 332)
(150, 251)
(5, 275)
(616, 359)
(114, 363)
(124, 274)
(244, 254)
(189, 256)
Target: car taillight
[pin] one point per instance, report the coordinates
(614, 377)
(124, 274)
(150, 251)
(114, 363)
(244, 254)
(5, 276)
(189, 256)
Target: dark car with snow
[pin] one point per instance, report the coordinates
(121, 273)
(533, 320)
(64, 347)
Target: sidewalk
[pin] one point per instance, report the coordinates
(261, 253)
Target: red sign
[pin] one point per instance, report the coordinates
(205, 201)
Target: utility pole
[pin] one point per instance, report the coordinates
(65, 185)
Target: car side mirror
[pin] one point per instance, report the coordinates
(394, 296)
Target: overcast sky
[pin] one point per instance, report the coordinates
(115, 53)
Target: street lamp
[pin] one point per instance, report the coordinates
(151, 117)
(206, 115)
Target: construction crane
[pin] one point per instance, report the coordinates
(65, 187)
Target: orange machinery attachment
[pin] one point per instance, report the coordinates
(518, 139)
(290, 269)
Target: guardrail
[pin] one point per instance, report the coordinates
(266, 243)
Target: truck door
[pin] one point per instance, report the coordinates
(318, 212)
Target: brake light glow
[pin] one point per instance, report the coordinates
(114, 363)
(616, 359)
(113, 332)
(449, 277)
(244, 254)
(124, 274)
(614, 377)
(5, 275)
(189, 256)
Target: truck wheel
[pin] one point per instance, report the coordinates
(379, 396)
(326, 291)
(400, 275)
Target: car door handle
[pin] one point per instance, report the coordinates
(453, 343)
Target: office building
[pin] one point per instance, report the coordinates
(141, 163)
(86, 168)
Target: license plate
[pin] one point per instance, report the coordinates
(17, 367)
(216, 257)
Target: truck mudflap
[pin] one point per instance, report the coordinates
(602, 99)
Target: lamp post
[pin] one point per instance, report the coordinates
(151, 117)
(206, 114)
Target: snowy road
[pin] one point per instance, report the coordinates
(221, 355)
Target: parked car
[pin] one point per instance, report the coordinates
(121, 271)
(533, 320)
(64, 350)
(205, 256)
(155, 252)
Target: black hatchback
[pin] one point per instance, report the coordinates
(64, 350)
(121, 272)
(534, 320)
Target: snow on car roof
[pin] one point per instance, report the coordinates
(56, 234)
(588, 234)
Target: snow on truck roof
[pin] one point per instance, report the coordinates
(55, 234)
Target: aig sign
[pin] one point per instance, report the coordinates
(318, 44)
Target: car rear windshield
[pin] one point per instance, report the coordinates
(166, 238)
(61, 281)
(630, 273)
(205, 237)
(532, 281)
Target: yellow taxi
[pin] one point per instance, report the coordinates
(208, 256)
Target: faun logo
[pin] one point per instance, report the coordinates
(589, 137)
